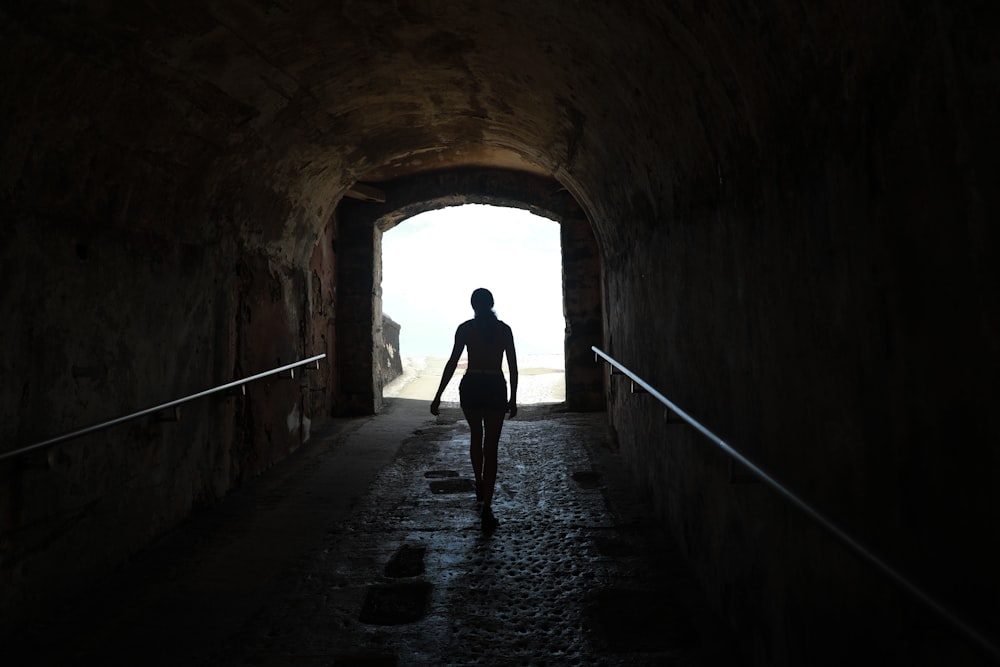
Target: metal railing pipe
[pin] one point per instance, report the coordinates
(814, 514)
(45, 444)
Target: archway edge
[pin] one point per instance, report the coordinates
(359, 310)
(417, 193)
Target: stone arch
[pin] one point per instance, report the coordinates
(360, 227)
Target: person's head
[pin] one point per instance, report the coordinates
(482, 303)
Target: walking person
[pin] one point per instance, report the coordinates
(483, 392)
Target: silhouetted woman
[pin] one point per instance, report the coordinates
(483, 391)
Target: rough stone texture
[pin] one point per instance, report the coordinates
(320, 334)
(390, 363)
(582, 306)
(359, 305)
(815, 299)
(793, 203)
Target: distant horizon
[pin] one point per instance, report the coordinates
(432, 262)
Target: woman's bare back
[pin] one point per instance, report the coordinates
(486, 345)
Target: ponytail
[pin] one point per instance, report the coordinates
(482, 304)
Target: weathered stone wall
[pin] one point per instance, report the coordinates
(582, 305)
(320, 331)
(358, 304)
(390, 361)
(114, 322)
(139, 264)
(813, 287)
(80, 310)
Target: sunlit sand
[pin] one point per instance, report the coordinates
(541, 379)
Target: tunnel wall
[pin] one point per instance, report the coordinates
(814, 286)
(135, 270)
(114, 324)
(583, 308)
(359, 304)
(390, 362)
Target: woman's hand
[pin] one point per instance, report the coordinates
(436, 407)
(512, 408)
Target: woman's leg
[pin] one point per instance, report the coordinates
(475, 419)
(493, 425)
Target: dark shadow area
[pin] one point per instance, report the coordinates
(395, 604)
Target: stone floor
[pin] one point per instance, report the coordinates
(366, 549)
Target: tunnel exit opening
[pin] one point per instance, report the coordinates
(433, 261)
(362, 222)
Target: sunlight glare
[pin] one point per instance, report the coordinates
(433, 261)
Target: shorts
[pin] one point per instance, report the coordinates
(483, 391)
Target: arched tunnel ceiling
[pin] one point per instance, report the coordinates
(388, 88)
(271, 110)
(331, 92)
(414, 85)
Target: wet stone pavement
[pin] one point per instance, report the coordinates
(575, 574)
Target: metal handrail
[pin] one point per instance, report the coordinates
(158, 408)
(837, 532)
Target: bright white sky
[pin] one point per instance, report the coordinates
(432, 262)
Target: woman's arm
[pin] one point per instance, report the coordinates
(512, 368)
(449, 368)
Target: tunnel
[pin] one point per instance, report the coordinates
(781, 215)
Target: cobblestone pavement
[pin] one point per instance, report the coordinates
(365, 549)
(575, 574)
